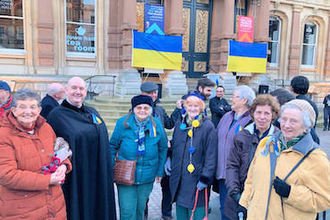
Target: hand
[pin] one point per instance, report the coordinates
(61, 169)
(167, 167)
(235, 195)
(200, 186)
(179, 103)
(158, 179)
(241, 212)
(281, 187)
(56, 178)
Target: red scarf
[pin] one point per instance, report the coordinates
(7, 105)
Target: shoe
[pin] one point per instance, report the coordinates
(324, 129)
(329, 129)
(167, 217)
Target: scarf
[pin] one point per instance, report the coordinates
(199, 119)
(285, 145)
(141, 125)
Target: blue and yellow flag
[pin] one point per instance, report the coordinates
(156, 51)
(247, 57)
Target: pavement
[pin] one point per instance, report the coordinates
(156, 194)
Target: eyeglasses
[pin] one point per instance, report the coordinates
(235, 97)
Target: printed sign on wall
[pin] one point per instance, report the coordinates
(154, 19)
(245, 29)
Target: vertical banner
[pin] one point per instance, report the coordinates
(154, 19)
(245, 29)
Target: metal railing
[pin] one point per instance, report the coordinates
(322, 216)
(91, 81)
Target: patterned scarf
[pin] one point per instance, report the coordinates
(199, 118)
(141, 125)
(285, 145)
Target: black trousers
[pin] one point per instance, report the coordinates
(167, 198)
(326, 114)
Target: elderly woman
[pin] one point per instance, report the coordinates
(289, 176)
(138, 136)
(231, 123)
(193, 158)
(263, 111)
(26, 146)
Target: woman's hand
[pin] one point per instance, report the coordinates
(59, 175)
(158, 179)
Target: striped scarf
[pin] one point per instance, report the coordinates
(141, 125)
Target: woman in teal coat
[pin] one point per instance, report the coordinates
(139, 136)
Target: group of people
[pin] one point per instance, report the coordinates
(261, 154)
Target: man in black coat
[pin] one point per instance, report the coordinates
(55, 93)
(326, 112)
(88, 189)
(299, 88)
(219, 106)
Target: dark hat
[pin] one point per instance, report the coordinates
(148, 87)
(141, 99)
(4, 86)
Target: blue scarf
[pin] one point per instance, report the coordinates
(141, 125)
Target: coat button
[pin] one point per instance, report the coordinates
(53, 215)
(42, 150)
(50, 192)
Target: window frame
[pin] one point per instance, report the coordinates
(16, 51)
(278, 41)
(315, 46)
(80, 54)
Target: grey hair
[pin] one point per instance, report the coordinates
(247, 93)
(305, 116)
(54, 88)
(24, 94)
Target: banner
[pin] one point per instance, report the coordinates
(245, 29)
(156, 51)
(154, 19)
(247, 57)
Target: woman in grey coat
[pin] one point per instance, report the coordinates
(194, 151)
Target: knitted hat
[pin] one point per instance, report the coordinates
(148, 87)
(4, 86)
(303, 105)
(141, 99)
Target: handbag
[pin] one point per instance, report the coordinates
(124, 171)
(196, 199)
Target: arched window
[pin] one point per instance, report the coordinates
(80, 28)
(309, 45)
(274, 44)
(12, 26)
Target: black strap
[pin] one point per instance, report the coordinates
(300, 161)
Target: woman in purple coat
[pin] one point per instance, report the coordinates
(231, 123)
(263, 110)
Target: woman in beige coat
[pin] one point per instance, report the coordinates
(290, 193)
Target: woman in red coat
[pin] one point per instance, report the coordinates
(26, 145)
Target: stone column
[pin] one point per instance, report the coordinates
(45, 38)
(294, 51)
(174, 82)
(215, 37)
(262, 22)
(114, 36)
(227, 31)
(327, 54)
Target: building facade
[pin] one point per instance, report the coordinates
(42, 41)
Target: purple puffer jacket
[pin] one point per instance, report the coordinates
(225, 138)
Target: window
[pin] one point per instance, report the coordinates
(273, 45)
(240, 9)
(11, 25)
(80, 28)
(309, 45)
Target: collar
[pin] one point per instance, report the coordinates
(251, 129)
(65, 103)
(131, 123)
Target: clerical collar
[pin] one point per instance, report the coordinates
(67, 104)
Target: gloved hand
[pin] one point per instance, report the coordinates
(241, 212)
(200, 186)
(281, 187)
(63, 154)
(235, 195)
(167, 167)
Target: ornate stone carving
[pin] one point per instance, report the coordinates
(201, 31)
(185, 65)
(199, 66)
(140, 15)
(203, 1)
(186, 26)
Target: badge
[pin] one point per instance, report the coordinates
(191, 149)
(183, 126)
(195, 123)
(190, 168)
(190, 133)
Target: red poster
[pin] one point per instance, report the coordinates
(245, 29)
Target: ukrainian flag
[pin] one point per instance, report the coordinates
(247, 57)
(156, 51)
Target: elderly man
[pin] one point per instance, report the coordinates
(219, 106)
(88, 190)
(55, 93)
(5, 97)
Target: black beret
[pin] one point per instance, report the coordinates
(141, 99)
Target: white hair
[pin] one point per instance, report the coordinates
(304, 114)
(245, 92)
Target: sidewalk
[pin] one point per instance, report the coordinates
(156, 195)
